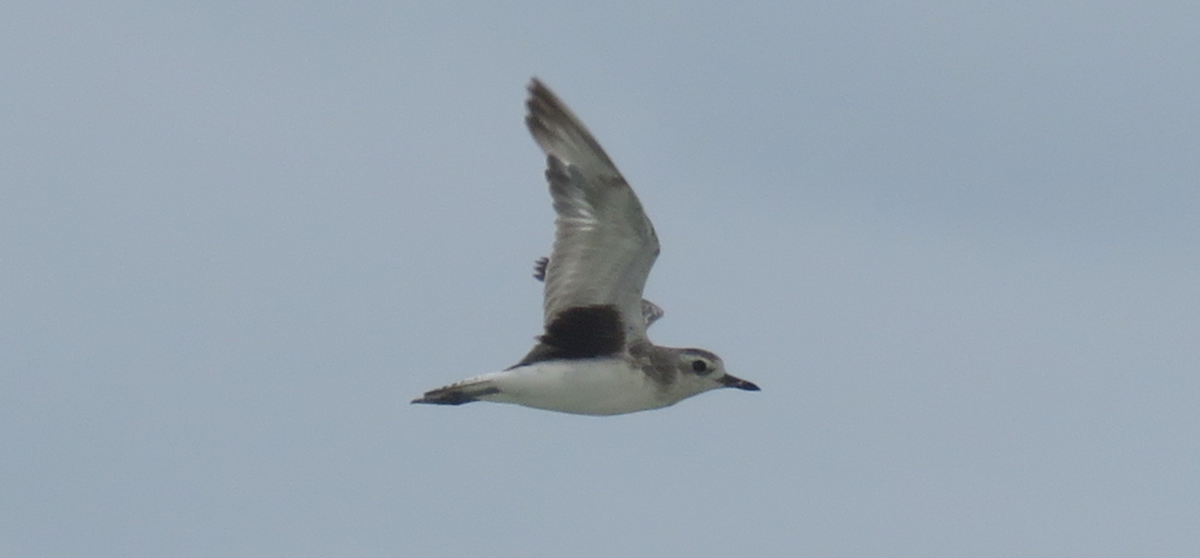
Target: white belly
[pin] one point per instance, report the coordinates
(586, 387)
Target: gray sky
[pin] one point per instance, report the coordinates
(957, 244)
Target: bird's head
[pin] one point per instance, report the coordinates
(701, 370)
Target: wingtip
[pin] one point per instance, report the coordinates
(542, 105)
(537, 90)
(560, 133)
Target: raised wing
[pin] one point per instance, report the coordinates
(651, 312)
(604, 245)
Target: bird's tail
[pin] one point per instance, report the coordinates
(466, 391)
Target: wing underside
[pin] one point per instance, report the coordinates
(604, 244)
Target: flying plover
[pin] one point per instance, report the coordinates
(594, 357)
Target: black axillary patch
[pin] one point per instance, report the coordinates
(585, 332)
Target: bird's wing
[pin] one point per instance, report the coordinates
(604, 245)
(651, 312)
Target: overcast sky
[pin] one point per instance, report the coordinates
(956, 243)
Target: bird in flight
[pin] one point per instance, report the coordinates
(594, 357)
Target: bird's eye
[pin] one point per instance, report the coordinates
(699, 366)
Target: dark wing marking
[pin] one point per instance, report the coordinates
(580, 332)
